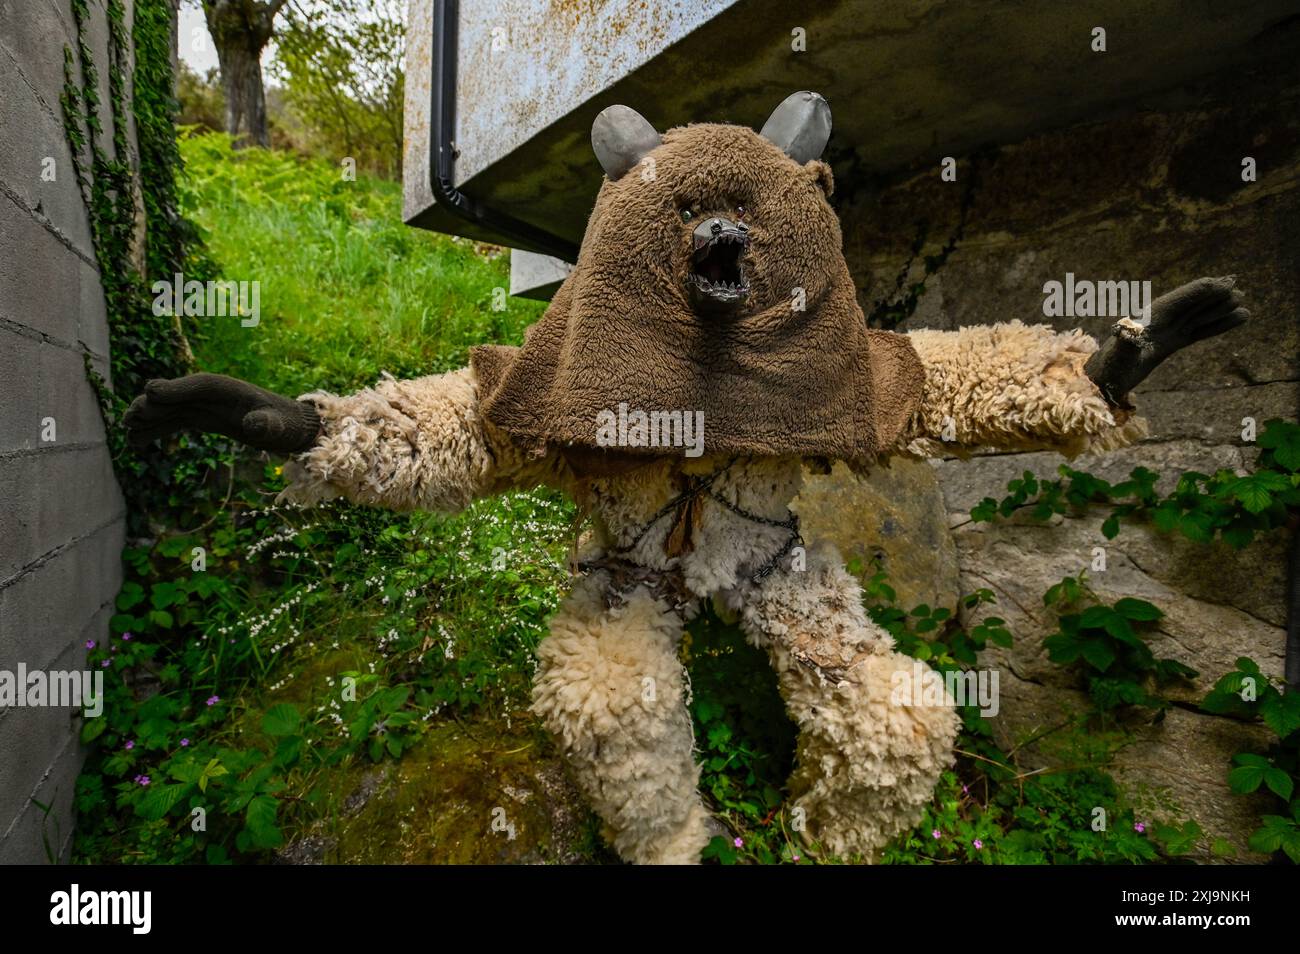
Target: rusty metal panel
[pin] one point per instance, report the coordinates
(523, 64)
(908, 81)
(416, 196)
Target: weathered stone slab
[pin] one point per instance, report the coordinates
(894, 515)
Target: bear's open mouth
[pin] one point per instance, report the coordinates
(717, 275)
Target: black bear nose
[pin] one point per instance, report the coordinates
(715, 226)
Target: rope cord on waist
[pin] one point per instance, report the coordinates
(704, 485)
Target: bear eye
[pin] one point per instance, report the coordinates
(687, 215)
(740, 211)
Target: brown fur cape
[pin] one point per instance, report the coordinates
(770, 379)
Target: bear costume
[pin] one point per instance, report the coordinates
(711, 287)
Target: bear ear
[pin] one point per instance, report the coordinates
(801, 126)
(823, 178)
(621, 137)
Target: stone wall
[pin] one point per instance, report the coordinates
(1152, 192)
(61, 512)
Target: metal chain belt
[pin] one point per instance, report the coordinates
(618, 564)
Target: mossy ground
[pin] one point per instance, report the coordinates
(472, 792)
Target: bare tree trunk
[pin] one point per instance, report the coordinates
(240, 31)
(241, 77)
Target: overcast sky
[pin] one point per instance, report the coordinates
(195, 44)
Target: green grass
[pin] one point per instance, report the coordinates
(224, 686)
(347, 289)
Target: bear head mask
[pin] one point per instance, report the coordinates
(710, 281)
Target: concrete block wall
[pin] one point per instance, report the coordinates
(62, 518)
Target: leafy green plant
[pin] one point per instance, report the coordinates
(347, 289)
(934, 635)
(1202, 507)
(1247, 693)
(1105, 641)
(341, 68)
(745, 739)
(1003, 816)
(428, 618)
(308, 642)
(143, 344)
(202, 665)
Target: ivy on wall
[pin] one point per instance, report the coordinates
(131, 202)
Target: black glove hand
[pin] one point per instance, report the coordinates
(1193, 312)
(214, 402)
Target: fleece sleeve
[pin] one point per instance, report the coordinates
(1011, 386)
(418, 444)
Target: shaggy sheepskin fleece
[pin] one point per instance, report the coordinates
(420, 444)
(723, 543)
(1011, 386)
(612, 691)
(865, 766)
(609, 685)
(798, 372)
(426, 444)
